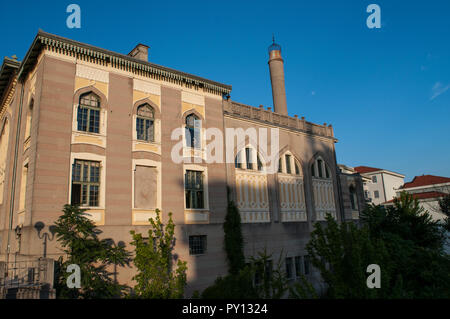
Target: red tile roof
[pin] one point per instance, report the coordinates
(426, 180)
(423, 195)
(366, 169)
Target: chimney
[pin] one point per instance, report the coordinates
(140, 52)
(277, 78)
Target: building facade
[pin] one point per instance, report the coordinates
(352, 187)
(383, 184)
(87, 126)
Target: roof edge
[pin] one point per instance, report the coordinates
(44, 38)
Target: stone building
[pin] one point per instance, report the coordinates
(84, 125)
(352, 187)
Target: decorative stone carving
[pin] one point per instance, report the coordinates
(87, 72)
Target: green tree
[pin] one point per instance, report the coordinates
(302, 290)
(234, 242)
(256, 280)
(415, 243)
(236, 286)
(342, 252)
(78, 237)
(156, 277)
(406, 220)
(271, 281)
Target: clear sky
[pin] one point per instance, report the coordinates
(385, 91)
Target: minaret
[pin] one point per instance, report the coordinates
(277, 78)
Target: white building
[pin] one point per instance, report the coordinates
(428, 189)
(383, 184)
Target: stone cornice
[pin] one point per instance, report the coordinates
(266, 117)
(101, 56)
(8, 81)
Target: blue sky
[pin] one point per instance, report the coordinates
(386, 91)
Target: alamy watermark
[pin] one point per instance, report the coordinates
(74, 19)
(373, 20)
(374, 279)
(209, 143)
(74, 279)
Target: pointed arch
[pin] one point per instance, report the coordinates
(319, 166)
(290, 163)
(190, 112)
(156, 108)
(323, 186)
(249, 158)
(252, 196)
(93, 89)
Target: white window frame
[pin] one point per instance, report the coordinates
(96, 158)
(204, 170)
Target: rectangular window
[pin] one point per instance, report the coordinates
(319, 164)
(376, 194)
(289, 268)
(298, 265)
(82, 119)
(280, 169)
(238, 160)
(88, 119)
(144, 129)
(353, 199)
(85, 183)
(197, 245)
(297, 169)
(306, 264)
(193, 181)
(288, 164)
(374, 179)
(248, 158)
(193, 138)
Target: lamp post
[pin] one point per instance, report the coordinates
(46, 236)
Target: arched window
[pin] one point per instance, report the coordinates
(287, 164)
(145, 123)
(193, 129)
(291, 189)
(88, 116)
(324, 202)
(248, 158)
(319, 169)
(252, 197)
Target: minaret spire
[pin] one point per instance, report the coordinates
(276, 67)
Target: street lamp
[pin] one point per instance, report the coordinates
(39, 226)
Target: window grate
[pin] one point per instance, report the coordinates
(197, 245)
